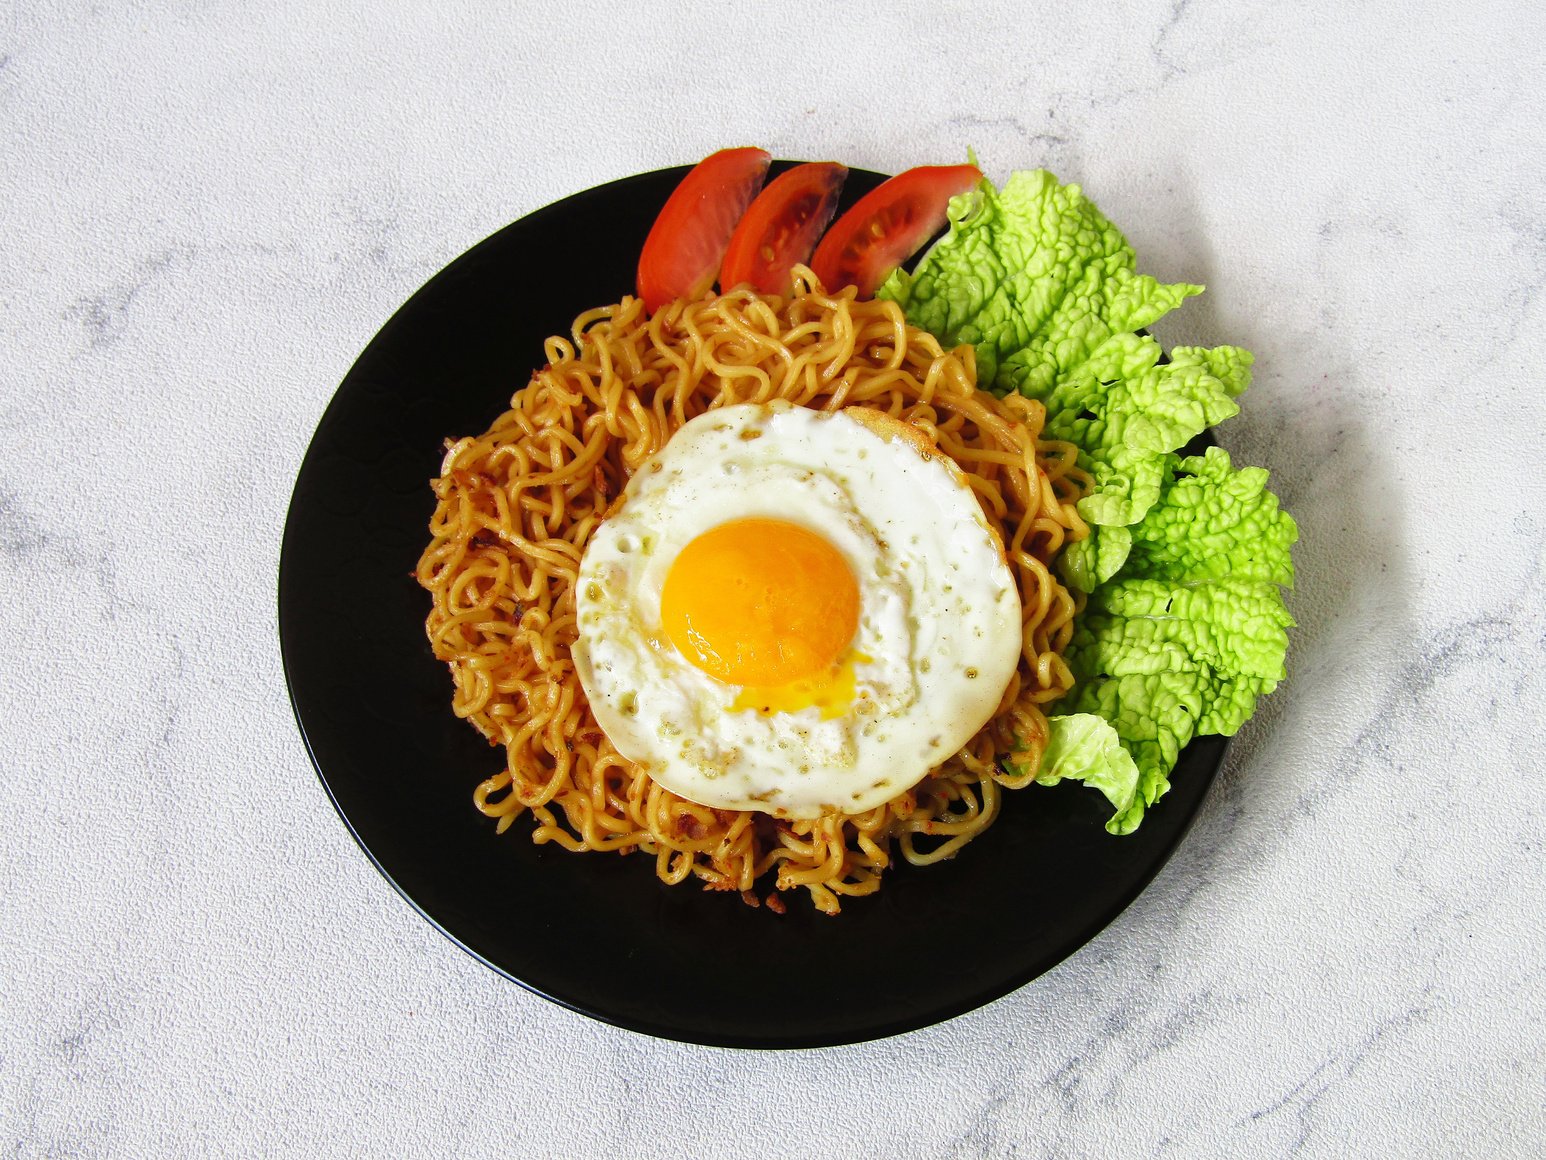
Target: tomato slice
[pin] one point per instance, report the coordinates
(681, 256)
(888, 225)
(782, 227)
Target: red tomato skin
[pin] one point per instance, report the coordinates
(888, 225)
(782, 227)
(682, 253)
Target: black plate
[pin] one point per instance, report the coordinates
(598, 933)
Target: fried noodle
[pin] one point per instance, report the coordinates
(518, 504)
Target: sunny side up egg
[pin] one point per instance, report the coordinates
(795, 611)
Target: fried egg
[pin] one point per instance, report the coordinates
(795, 611)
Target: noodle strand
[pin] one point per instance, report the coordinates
(517, 505)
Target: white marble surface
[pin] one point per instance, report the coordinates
(206, 209)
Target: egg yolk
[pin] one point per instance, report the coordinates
(762, 603)
(831, 692)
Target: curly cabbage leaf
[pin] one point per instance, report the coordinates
(1042, 286)
(1084, 747)
(1192, 629)
(1032, 270)
(1185, 625)
(1217, 523)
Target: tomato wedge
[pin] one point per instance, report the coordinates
(888, 225)
(681, 256)
(782, 227)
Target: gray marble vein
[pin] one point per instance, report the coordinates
(207, 209)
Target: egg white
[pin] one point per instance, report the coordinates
(939, 615)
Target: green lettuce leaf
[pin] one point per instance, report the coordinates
(1192, 629)
(1084, 747)
(1216, 523)
(1123, 302)
(1231, 365)
(1032, 270)
(1148, 626)
(1036, 279)
(1125, 427)
(1185, 625)
(1153, 716)
(1090, 562)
